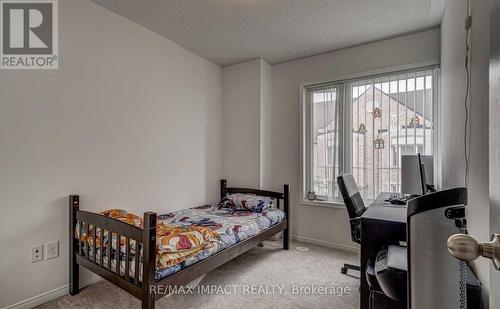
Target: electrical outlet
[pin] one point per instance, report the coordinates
(52, 249)
(37, 254)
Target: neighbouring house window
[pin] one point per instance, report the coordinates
(363, 126)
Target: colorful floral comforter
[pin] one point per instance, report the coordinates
(188, 236)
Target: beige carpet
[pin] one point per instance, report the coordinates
(307, 280)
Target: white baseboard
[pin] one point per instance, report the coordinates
(50, 295)
(326, 244)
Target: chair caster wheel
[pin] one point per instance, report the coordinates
(343, 270)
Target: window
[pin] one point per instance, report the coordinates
(324, 114)
(363, 126)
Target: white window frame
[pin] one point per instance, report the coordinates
(308, 138)
(345, 125)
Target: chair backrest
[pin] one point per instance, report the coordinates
(350, 194)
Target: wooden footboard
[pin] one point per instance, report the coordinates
(141, 282)
(103, 228)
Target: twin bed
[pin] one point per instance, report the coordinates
(139, 256)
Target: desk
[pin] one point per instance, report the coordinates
(382, 223)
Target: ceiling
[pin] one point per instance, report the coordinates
(231, 31)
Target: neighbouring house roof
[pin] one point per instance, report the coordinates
(322, 123)
(401, 99)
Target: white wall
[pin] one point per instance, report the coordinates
(329, 225)
(266, 126)
(241, 97)
(129, 120)
(247, 124)
(452, 114)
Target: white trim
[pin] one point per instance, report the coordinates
(50, 295)
(326, 204)
(326, 244)
(307, 153)
(436, 120)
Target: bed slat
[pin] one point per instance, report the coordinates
(79, 238)
(117, 254)
(101, 246)
(94, 229)
(127, 258)
(110, 244)
(86, 243)
(136, 261)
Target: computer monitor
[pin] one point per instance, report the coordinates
(413, 178)
(422, 175)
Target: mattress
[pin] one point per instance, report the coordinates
(209, 228)
(230, 226)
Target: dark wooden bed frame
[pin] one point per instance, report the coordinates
(146, 289)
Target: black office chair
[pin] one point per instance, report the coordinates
(355, 208)
(373, 284)
(391, 269)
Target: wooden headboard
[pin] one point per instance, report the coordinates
(285, 195)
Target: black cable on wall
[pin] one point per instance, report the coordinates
(468, 24)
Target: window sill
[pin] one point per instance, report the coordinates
(337, 205)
